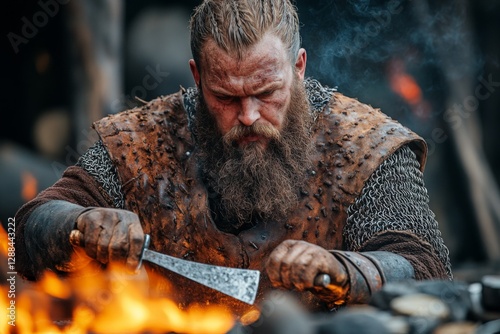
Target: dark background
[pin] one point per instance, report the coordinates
(425, 64)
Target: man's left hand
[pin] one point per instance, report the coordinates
(294, 265)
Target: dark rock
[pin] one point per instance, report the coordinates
(354, 320)
(454, 293)
(491, 292)
(382, 299)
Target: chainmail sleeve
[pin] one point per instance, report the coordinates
(98, 164)
(395, 199)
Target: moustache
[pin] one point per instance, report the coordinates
(256, 129)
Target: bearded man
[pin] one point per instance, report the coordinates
(256, 167)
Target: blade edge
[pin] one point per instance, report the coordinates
(238, 283)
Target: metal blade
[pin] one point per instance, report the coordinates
(241, 284)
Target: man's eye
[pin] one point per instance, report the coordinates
(266, 93)
(224, 98)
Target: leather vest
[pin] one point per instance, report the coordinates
(152, 148)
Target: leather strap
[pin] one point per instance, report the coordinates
(369, 271)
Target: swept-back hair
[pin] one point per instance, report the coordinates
(235, 25)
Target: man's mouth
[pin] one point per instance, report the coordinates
(250, 138)
(257, 134)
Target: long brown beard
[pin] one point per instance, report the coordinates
(253, 182)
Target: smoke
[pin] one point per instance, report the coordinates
(349, 42)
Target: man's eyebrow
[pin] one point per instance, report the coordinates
(219, 91)
(270, 86)
(259, 89)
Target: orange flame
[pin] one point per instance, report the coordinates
(4, 305)
(4, 290)
(112, 301)
(404, 85)
(29, 186)
(4, 242)
(53, 286)
(407, 88)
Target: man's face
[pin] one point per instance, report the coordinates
(255, 90)
(252, 128)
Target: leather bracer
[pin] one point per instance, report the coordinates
(46, 237)
(368, 271)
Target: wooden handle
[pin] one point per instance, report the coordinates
(76, 238)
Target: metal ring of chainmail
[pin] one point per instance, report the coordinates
(395, 198)
(98, 164)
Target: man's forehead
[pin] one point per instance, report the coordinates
(266, 61)
(269, 48)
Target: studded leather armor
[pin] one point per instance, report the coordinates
(151, 148)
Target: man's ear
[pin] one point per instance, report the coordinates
(194, 72)
(300, 64)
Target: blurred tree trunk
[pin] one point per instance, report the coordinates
(96, 35)
(456, 48)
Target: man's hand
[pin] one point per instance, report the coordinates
(112, 235)
(294, 265)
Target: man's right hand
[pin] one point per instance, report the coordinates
(112, 235)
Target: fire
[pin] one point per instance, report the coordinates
(113, 301)
(29, 186)
(4, 245)
(54, 286)
(403, 84)
(4, 305)
(4, 290)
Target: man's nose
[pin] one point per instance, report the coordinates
(249, 112)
